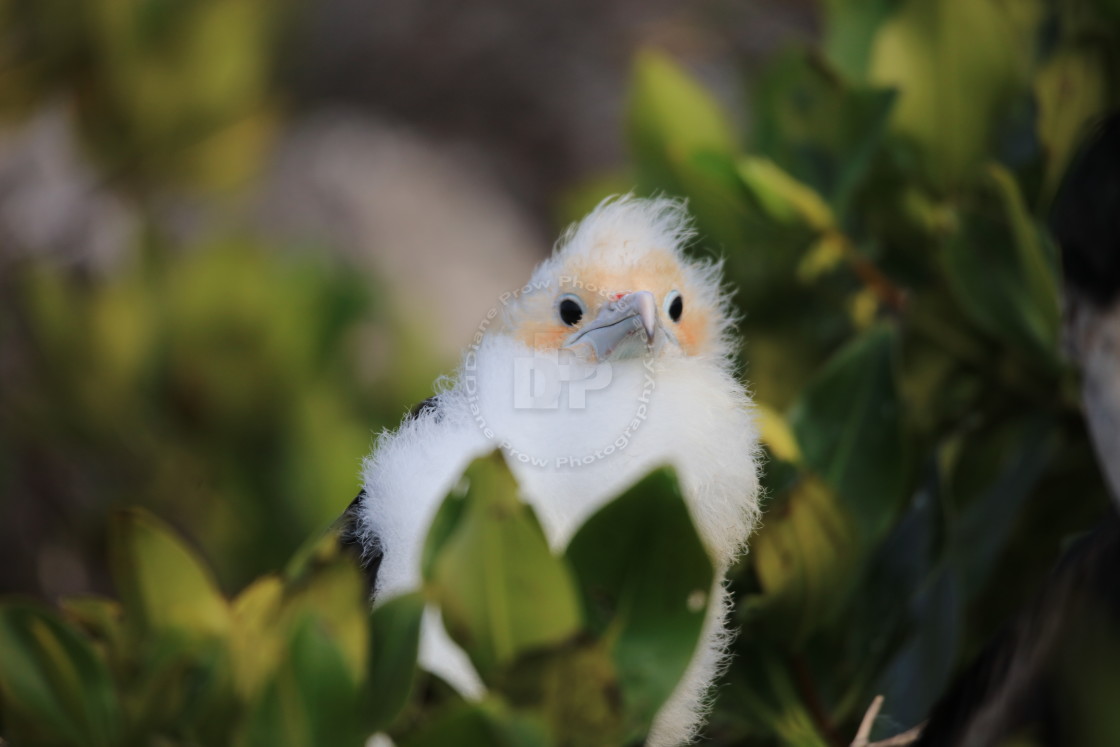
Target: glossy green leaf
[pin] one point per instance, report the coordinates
(54, 688)
(957, 64)
(848, 422)
(394, 643)
(500, 589)
(646, 580)
(164, 586)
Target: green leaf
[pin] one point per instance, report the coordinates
(957, 65)
(683, 144)
(646, 580)
(444, 523)
(823, 132)
(848, 422)
(163, 585)
(762, 688)
(784, 198)
(394, 643)
(499, 588)
(256, 640)
(485, 724)
(671, 116)
(573, 688)
(849, 30)
(312, 699)
(1071, 89)
(999, 272)
(914, 679)
(54, 688)
(101, 619)
(805, 557)
(980, 533)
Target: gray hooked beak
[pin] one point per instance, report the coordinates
(624, 328)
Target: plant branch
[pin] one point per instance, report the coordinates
(863, 735)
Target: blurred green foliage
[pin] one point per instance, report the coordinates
(882, 217)
(298, 659)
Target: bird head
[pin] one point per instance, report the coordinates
(619, 286)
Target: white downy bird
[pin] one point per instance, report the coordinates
(615, 359)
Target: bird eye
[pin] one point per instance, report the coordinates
(674, 305)
(571, 310)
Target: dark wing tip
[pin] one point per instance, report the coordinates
(351, 539)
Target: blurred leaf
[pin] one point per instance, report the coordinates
(55, 689)
(848, 422)
(256, 641)
(486, 724)
(821, 131)
(762, 686)
(849, 30)
(805, 556)
(1071, 88)
(312, 700)
(331, 591)
(671, 116)
(499, 588)
(775, 433)
(646, 581)
(184, 686)
(979, 535)
(101, 619)
(444, 524)
(784, 198)
(996, 267)
(164, 586)
(394, 643)
(683, 144)
(916, 676)
(573, 688)
(957, 64)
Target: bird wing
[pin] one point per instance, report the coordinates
(348, 526)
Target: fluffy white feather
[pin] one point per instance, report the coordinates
(682, 406)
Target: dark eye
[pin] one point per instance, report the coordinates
(674, 305)
(571, 310)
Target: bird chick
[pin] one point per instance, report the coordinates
(613, 360)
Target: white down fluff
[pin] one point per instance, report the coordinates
(690, 410)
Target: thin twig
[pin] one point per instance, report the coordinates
(863, 736)
(898, 740)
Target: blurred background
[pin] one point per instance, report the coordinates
(239, 237)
